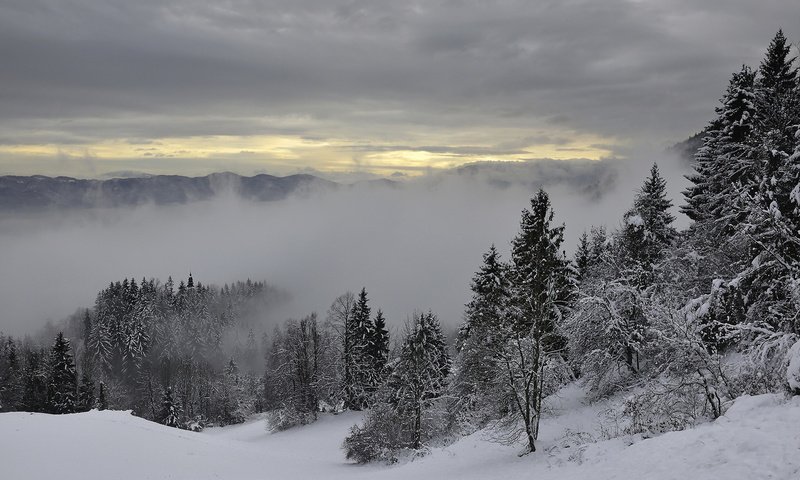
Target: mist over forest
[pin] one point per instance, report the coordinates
(413, 244)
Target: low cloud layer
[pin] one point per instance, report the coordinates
(414, 247)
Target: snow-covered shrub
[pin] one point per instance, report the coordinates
(387, 436)
(664, 407)
(378, 439)
(196, 424)
(793, 369)
(288, 417)
(762, 366)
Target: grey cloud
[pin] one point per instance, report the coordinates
(634, 70)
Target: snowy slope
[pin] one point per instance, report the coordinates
(759, 438)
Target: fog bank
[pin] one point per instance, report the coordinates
(413, 246)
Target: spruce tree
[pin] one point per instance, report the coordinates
(727, 160)
(542, 291)
(35, 381)
(86, 399)
(542, 280)
(490, 295)
(10, 377)
(63, 384)
(478, 341)
(360, 364)
(778, 109)
(421, 373)
(647, 228)
(583, 254)
(169, 409)
(102, 397)
(378, 351)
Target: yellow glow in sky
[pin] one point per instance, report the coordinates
(278, 154)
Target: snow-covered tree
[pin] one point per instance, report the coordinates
(405, 416)
(86, 400)
(647, 228)
(542, 290)
(361, 365)
(102, 397)
(479, 339)
(170, 409)
(62, 387)
(378, 352)
(727, 159)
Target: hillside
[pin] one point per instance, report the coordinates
(757, 439)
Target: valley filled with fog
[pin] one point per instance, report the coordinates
(413, 244)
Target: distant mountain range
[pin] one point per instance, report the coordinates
(37, 192)
(27, 193)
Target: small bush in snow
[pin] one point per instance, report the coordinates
(288, 417)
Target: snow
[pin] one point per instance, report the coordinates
(635, 220)
(793, 369)
(757, 439)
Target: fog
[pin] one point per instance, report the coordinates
(414, 246)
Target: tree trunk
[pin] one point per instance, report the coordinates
(417, 426)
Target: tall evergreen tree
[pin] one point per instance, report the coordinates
(102, 397)
(62, 387)
(10, 376)
(35, 381)
(169, 409)
(360, 363)
(583, 255)
(405, 415)
(478, 341)
(727, 159)
(778, 101)
(647, 228)
(542, 290)
(86, 400)
(542, 280)
(378, 351)
(421, 372)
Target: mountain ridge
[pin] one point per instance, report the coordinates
(40, 191)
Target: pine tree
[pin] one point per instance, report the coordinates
(478, 340)
(230, 392)
(169, 409)
(527, 341)
(360, 363)
(421, 373)
(583, 256)
(63, 384)
(406, 414)
(378, 351)
(541, 276)
(647, 228)
(102, 397)
(727, 159)
(35, 381)
(778, 113)
(86, 400)
(542, 290)
(10, 377)
(490, 295)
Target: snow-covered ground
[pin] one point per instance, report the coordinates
(759, 438)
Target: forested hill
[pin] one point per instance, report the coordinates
(36, 192)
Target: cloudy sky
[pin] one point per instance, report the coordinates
(89, 87)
